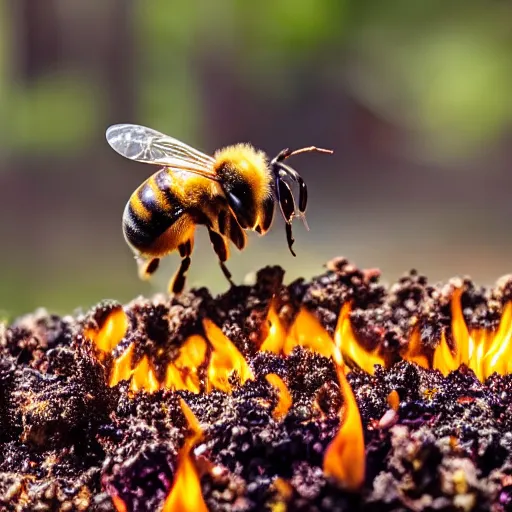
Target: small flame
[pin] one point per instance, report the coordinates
(414, 352)
(122, 368)
(459, 328)
(344, 458)
(308, 332)
(185, 494)
(284, 398)
(351, 351)
(497, 358)
(225, 359)
(284, 492)
(144, 377)
(393, 400)
(119, 504)
(444, 360)
(182, 373)
(111, 332)
(274, 342)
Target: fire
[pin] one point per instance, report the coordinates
(351, 351)
(111, 332)
(122, 368)
(185, 494)
(276, 337)
(182, 374)
(284, 491)
(459, 328)
(414, 351)
(119, 504)
(306, 331)
(482, 350)
(497, 358)
(144, 377)
(393, 400)
(344, 458)
(444, 360)
(284, 398)
(225, 360)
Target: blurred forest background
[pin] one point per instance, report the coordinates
(415, 97)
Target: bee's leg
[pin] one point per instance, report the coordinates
(178, 281)
(147, 267)
(289, 237)
(220, 247)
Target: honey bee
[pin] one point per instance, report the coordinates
(235, 190)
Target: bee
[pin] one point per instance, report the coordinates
(233, 191)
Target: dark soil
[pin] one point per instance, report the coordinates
(69, 442)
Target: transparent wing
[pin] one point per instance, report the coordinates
(149, 146)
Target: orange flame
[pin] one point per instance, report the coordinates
(480, 343)
(122, 368)
(482, 350)
(225, 360)
(276, 337)
(284, 492)
(344, 458)
(497, 358)
(351, 351)
(393, 400)
(144, 377)
(459, 329)
(186, 494)
(444, 360)
(119, 504)
(308, 332)
(284, 398)
(182, 374)
(414, 351)
(111, 332)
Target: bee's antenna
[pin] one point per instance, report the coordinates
(309, 149)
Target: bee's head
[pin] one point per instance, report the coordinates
(244, 178)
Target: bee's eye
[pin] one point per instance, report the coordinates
(235, 202)
(239, 209)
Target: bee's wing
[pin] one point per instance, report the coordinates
(149, 146)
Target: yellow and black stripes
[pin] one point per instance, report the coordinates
(152, 209)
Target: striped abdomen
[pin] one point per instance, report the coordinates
(151, 212)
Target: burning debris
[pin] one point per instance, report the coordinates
(334, 394)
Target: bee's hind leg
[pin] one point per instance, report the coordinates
(177, 283)
(147, 266)
(220, 247)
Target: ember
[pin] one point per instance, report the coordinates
(334, 394)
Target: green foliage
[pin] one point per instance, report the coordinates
(56, 114)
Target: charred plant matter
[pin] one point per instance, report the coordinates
(332, 394)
